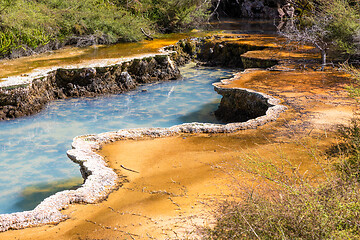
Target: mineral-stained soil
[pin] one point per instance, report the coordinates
(171, 184)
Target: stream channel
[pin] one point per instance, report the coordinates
(33, 157)
(33, 161)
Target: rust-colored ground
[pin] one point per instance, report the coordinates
(179, 178)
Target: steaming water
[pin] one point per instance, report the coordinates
(33, 161)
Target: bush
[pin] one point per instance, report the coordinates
(28, 24)
(171, 15)
(354, 72)
(343, 24)
(349, 167)
(328, 212)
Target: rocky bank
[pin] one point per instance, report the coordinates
(248, 8)
(29, 98)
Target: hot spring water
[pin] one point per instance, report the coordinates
(33, 157)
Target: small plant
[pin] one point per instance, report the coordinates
(349, 166)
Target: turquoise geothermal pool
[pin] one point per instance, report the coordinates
(33, 157)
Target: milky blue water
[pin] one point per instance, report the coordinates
(33, 149)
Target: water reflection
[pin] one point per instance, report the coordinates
(246, 26)
(32, 195)
(205, 113)
(33, 149)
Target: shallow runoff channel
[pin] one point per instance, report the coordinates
(33, 157)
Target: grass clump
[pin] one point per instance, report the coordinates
(349, 167)
(327, 212)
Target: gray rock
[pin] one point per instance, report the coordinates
(127, 80)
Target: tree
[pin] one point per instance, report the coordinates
(327, 24)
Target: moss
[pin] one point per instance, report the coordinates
(161, 58)
(15, 86)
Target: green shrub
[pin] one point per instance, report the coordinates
(343, 24)
(28, 24)
(328, 212)
(170, 15)
(349, 166)
(354, 88)
(332, 26)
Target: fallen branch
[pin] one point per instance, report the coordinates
(129, 169)
(146, 35)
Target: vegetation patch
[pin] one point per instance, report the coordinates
(28, 26)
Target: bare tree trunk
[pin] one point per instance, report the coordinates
(146, 35)
(215, 10)
(323, 58)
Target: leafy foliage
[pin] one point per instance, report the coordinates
(28, 24)
(170, 15)
(343, 24)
